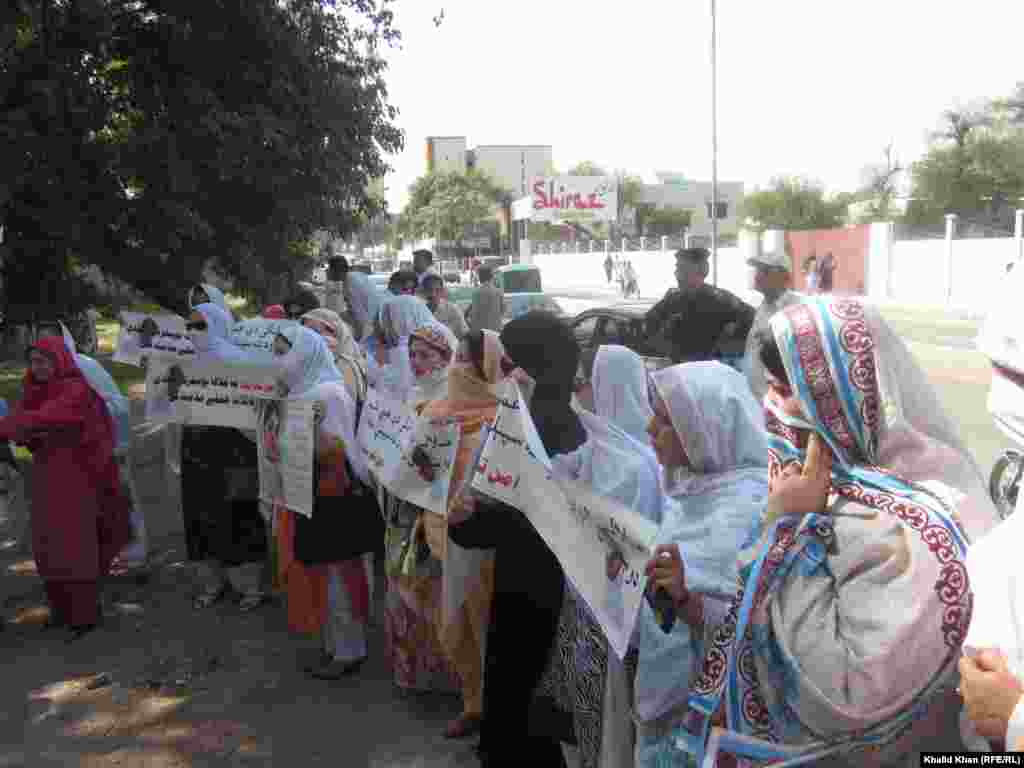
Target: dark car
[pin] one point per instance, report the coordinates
(623, 324)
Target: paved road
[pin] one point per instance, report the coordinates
(943, 343)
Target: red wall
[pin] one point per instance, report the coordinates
(849, 247)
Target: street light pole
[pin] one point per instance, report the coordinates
(714, 145)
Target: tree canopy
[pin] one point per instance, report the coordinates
(449, 204)
(155, 139)
(974, 167)
(795, 203)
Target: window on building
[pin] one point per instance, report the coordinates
(722, 211)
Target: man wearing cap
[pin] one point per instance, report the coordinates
(697, 321)
(772, 276)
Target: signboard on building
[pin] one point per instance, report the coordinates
(574, 198)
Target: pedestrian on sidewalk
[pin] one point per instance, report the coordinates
(224, 530)
(80, 518)
(326, 560)
(609, 267)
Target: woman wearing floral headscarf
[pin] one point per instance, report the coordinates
(326, 561)
(468, 575)
(414, 573)
(873, 502)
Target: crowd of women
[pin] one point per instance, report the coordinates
(814, 547)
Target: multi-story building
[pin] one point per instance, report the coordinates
(510, 165)
(673, 190)
(446, 154)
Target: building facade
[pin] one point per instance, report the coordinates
(446, 154)
(510, 165)
(673, 190)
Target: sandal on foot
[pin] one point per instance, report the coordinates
(463, 727)
(250, 603)
(208, 598)
(80, 631)
(336, 670)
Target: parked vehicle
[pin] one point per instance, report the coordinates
(517, 304)
(1000, 342)
(518, 278)
(623, 324)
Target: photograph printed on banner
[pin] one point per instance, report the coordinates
(207, 394)
(143, 335)
(287, 441)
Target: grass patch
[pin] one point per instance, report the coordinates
(130, 379)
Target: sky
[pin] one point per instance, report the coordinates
(815, 89)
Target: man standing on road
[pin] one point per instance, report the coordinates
(697, 321)
(432, 292)
(772, 277)
(488, 307)
(609, 266)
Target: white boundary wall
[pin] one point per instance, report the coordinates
(958, 274)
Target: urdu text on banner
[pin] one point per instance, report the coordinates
(207, 394)
(390, 433)
(143, 335)
(585, 531)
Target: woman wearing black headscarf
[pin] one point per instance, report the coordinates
(517, 729)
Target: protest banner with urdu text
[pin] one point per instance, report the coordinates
(395, 442)
(207, 394)
(143, 335)
(287, 441)
(257, 335)
(587, 532)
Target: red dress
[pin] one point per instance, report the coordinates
(80, 518)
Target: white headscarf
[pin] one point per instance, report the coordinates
(215, 344)
(722, 430)
(720, 425)
(312, 375)
(364, 301)
(103, 384)
(215, 295)
(308, 363)
(398, 318)
(620, 390)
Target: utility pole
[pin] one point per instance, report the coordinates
(714, 145)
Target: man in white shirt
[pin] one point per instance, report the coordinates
(771, 278)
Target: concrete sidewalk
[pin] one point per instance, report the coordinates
(160, 685)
